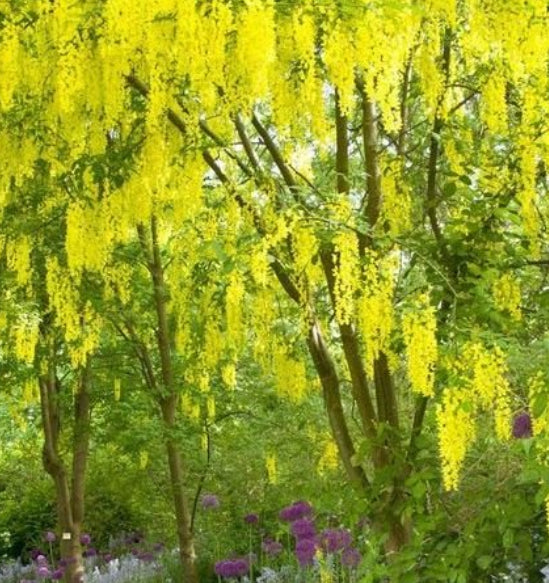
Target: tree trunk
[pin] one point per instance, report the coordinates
(168, 404)
(187, 553)
(54, 466)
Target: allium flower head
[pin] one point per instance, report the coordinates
(85, 539)
(231, 568)
(210, 502)
(350, 558)
(303, 528)
(297, 510)
(333, 540)
(271, 547)
(88, 553)
(522, 426)
(35, 553)
(58, 574)
(49, 536)
(43, 572)
(41, 560)
(305, 550)
(251, 518)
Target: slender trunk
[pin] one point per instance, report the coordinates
(54, 466)
(182, 509)
(168, 404)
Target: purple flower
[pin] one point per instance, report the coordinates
(210, 501)
(41, 560)
(107, 557)
(35, 553)
(43, 572)
(271, 547)
(251, 518)
(58, 574)
(522, 426)
(335, 539)
(49, 536)
(231, 568)
(296, 511)
(350, 558)
(303, 528)
(85, 539)
(305, 550)
(88, 553)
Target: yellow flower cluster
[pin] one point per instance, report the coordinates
(494, 106)
(375, 306)
(397, 202)
(347, 273)
(506, 292)
(456, 430)
(25, 335)
(339, 56)
(537, 399)
(271, 467)
(234, 303)
(290, 375)
(329, 459)
(489, 385)
(18, 254)
(419, 330)
(189, 407)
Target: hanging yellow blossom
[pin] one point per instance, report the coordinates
(228, 375)
(329, 460)
(419, 330)
(290, 375)
(506, 292)
(271, 467)
(456, 431)
(347, 272)
(375, 307)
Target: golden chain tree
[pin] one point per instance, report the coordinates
(376, 169)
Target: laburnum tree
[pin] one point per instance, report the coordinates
(368, 180)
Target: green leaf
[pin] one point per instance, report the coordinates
(484, 562)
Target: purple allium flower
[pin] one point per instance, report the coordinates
(49, 536)
(41, 560)
(297, 510)
(303, 528)
(107, 557)
(43, 572)
(88, 553)
(335, 539)
(350, 558)
(58, 574)
(85, 539)
(210, 501)
(35, 553)
(305, 550)
(251, 518)
(271, 547)
(522, 426)
(231, 568)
